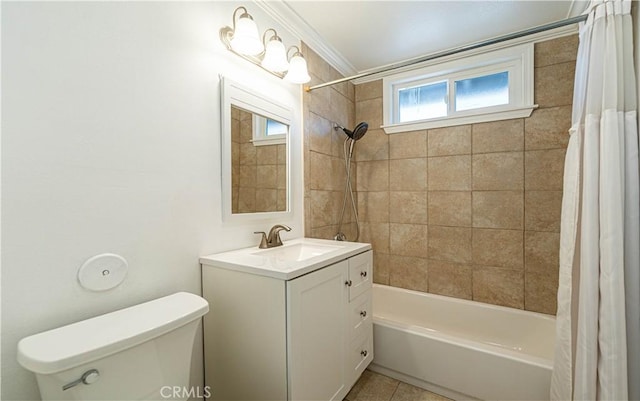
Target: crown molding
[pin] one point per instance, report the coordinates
(284, 15)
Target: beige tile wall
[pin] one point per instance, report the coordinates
(324, 169)
(469, 211)
(259, 173)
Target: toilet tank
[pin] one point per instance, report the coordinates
(140, 353)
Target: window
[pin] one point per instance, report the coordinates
(420, 102)
(485, 87)
(268, 132)
(275, 128)
(483, 91)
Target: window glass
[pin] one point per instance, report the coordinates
(483, 91)
(421, 102)
(276, 127)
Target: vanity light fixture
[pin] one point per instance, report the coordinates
(275, 55)
(297, 73)
(243, 39)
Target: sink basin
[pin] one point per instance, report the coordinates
(293, 259)
(296, 252)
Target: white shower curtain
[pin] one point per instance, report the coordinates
(597, 350)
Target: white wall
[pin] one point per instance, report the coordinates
(111, 143)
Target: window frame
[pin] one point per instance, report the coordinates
(260, 137)
(517, 60)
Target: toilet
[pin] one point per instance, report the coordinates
(139, 353)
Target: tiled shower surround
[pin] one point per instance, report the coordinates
(324, 169)
(470, 211)
(258, 173)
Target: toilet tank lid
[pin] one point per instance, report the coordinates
(85, 341)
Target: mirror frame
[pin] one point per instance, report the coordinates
(233, 93)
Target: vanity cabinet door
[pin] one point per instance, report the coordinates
(316, 320)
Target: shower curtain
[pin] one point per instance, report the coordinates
(598, 321)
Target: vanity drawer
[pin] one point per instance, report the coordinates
(360, 315)
(360, 272)
(360, 355)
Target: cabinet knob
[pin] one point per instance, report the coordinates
(348, 283)
(363, 273)
(364, 353)
(363, 313)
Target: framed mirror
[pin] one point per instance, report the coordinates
(255, 154)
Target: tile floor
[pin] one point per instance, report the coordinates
(376, 387)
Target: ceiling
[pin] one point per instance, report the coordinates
(362, 35)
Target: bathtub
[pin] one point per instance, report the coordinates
(462, 349)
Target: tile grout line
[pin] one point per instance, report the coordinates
(426, 173)
(472, 264)
(395, 390)
(524, 213)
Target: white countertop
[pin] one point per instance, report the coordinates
(277, 262)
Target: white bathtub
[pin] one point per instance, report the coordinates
(462, 349)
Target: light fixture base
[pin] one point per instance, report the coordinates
(226, 33)
(243, 40)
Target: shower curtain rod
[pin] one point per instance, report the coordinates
(456, 50)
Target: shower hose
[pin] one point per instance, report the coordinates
(348, 191)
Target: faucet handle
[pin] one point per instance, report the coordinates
(263, 241)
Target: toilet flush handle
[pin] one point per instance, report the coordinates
(89, 377)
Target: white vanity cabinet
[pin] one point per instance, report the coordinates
(317, 338)
(304, 338)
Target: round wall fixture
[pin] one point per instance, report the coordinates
(103, 272)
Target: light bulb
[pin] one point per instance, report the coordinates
(275, 57)
(245, 38)
(298, 73)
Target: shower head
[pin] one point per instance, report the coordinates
(357, 133)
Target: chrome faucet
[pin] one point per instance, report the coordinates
(273, 239)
